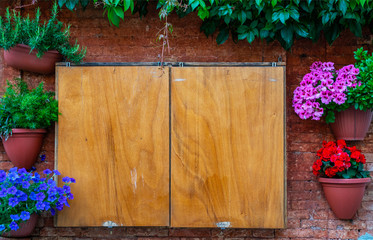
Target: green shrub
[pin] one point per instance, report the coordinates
(41, 36)
(24, 108)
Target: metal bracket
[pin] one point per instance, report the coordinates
(274, 64)
(159, 64)
(181, 64)
(223, 225)
(68, 64)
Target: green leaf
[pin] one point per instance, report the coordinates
(287, 34)
(241, 16)
(61, 2)
(342, 5)
(126, 4)
(222, 36)
(330, 117)
(119, 12)
(301, 30)
(203, 13)
(84, 3)
(70, 4)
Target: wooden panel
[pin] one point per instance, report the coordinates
(227, 139)
(113, 137)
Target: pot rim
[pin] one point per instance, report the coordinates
(27, 47)
(343, 180)
(27, 130)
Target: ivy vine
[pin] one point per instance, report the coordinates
(282, 20)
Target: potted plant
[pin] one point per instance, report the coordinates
(343, 96)
(24, 115)
(24, 195)
(36, 46)
(341, 173)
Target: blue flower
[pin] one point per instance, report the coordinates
(3, 192)
(22, 171)
(33, 169)
(40, 206)
(21, 196)
(12, 190)
(66, 180)
(72, 180)
(14, 217)
(47, 171)
(25, 185)
(13, 226)
(2, 227)
(52, 191)
(52, 198)
(59, 206)
(13, 201)
(2, 175)
(43, 187)
(47, 206)
(51, 183)
(33, 196)
(42, 157)
(40, 196)
(25, 215)
(66, 189)
(56, 172)
(14, 169)
(70, 196)
(62, 200)
(53, 212)
(13, 176)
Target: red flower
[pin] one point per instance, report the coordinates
(356, 155)
(331, 171)
(341, 143)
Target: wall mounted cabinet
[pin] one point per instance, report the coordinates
(192, 146)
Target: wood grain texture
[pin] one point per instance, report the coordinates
(227, 147)
(113, 138)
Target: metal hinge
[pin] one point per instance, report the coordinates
(181, 64)
(68, 64)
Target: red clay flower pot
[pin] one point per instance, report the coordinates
(23, 146)
(351, 124)
(20, 57)
(344, 195)
(25, 228)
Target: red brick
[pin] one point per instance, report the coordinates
(187, 232)
(302, 233)
(265, 233)
(344, 234)
(314, 224)
(231, 233)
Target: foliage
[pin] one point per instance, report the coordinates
(336, 160)
(24, 108)
(324, 91)
(361, 97)
(270, 20)
(41, 36)
(23, 193)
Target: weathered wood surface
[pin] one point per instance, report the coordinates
(227, 147)
(113, 138)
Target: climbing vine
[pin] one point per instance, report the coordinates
(282, 20)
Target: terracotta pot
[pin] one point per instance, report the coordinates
(344, 195)
(20, 57)
(23, 146)
(351, 124)
(25, 228)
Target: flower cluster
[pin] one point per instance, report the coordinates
(339, 161)
(321, 87)
(23, 193)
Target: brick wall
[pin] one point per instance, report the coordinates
(309, 215)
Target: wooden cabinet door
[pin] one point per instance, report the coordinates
(227, 147)
(113, 138)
